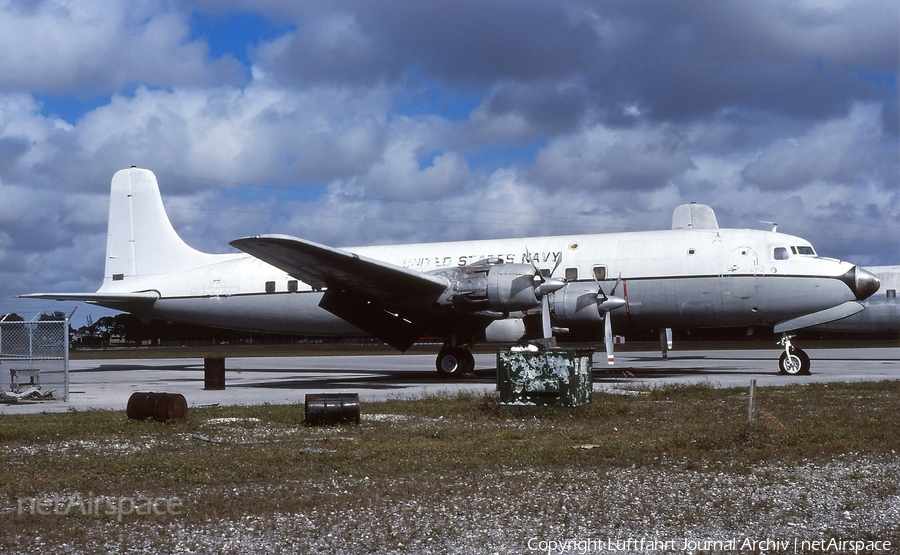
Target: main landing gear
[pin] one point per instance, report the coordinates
(794, 361)
(455, 361)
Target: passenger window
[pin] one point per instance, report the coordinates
(599, 273)
(571, 274)
(270, 287)
(781, 253)
(891, 293)
(292, 286)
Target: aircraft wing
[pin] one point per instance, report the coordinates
(322, 266)
(823, 316)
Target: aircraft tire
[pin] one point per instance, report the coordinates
(798, 365)
(455, 361)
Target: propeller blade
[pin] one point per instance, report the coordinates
(545, 317)
(547, 284)
(616, 286)
(533, 263)
(556, 265)
(606, 303)
(607, 324)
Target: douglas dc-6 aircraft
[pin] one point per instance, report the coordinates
(692, 276)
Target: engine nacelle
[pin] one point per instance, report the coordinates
(490, 285)
(511, 287)
(576, 304)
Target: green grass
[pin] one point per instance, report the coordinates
(264, 460)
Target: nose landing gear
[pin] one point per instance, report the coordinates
(793, 361)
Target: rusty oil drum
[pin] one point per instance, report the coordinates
(332, 408)
(162, 407)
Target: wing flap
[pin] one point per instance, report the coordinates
(322, 266)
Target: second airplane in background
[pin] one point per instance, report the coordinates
(695, 275)
(882, 313)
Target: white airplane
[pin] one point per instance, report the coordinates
(882, 313)
(692, 276)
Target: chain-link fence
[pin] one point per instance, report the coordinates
(34, 359)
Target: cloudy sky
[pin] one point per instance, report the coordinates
(360, 122)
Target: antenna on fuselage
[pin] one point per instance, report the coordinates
(773, 224)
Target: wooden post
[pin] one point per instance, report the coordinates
(751, 412)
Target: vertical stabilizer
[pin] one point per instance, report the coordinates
(141, 240)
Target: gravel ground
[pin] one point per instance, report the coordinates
(681, 509)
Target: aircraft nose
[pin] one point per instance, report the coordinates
(866, 284)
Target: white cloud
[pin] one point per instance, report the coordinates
(851, 150)
(603, 158)
(239, 135)
(93, 46)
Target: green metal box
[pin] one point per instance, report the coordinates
(551, 377)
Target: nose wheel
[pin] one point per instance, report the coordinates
(793, 361)
(455, 362)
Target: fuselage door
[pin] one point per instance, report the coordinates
(743, 269)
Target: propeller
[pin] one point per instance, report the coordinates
(547, 285)
(606, 303)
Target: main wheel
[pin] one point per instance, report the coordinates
(455, 361)
(795, 364)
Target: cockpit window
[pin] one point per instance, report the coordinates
(806, 250)
(781, 253)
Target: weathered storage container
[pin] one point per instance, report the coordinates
(331, 408)
(214, 373)
(162, 407)
(550, 377)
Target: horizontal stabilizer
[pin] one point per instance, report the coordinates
(822, 317)
(142, 297)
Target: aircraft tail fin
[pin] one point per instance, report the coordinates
(141, 240)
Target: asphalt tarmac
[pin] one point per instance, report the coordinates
(107, 384)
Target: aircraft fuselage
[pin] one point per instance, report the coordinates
(671, 278)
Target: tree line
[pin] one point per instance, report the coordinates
(129, 329)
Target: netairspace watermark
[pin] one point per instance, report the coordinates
(99, 505)
(751, 545)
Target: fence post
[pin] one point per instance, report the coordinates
(751, 411)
